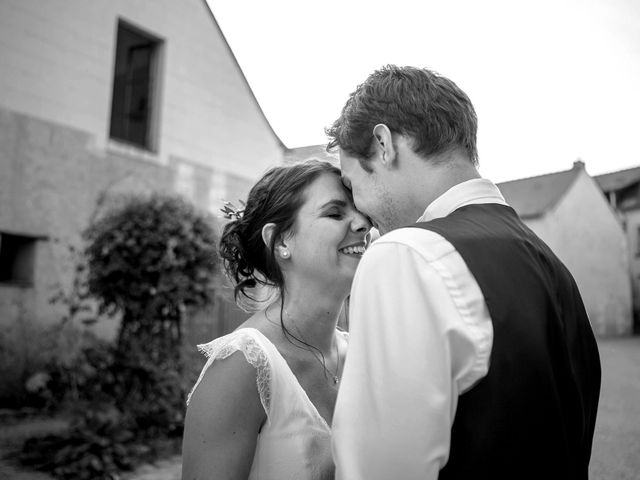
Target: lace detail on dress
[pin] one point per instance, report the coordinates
(240, 340)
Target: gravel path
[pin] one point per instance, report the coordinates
(170, 469)
(616, 445)
(11, 438)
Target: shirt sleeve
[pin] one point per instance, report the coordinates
(420, 334)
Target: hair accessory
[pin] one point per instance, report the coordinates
(230, 211)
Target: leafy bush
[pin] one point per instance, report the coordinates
(32, 358)
(126, 412)
(150, 261)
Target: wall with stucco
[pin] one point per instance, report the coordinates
(584, 232)
(631, 219)
(58, 166)
(57, 57)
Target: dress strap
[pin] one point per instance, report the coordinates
(247, 341)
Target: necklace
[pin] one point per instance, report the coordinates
(322, 362)
(332, 375)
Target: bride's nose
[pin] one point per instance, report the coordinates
(360, 223)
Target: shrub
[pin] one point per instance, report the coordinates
(150, 261)
(32, 357)
(125, 413)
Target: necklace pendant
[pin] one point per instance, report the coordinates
(336, 380)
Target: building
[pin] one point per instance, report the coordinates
(317, 152)
(106, 97)
(622, 189)
(568, 211)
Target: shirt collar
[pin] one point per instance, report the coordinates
(474, 191)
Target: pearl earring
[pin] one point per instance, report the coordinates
(284, 253)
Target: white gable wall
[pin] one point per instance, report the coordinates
(56, 158)
(583, 231)
(56, 59)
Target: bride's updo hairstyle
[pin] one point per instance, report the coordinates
(276, 198)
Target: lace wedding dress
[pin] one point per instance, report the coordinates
(295, 441)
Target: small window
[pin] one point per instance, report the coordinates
(17, 259)
(134, 85)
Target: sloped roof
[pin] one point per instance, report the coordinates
(618, 180)
(300, 154)
(246, 82)
(533, 197)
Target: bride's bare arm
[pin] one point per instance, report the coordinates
(222, 422)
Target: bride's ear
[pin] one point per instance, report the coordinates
(280, 247)
(267, 233)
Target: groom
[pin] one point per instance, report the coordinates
(471, 354)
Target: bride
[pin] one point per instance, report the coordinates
(265, 398)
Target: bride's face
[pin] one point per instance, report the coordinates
(328, 237)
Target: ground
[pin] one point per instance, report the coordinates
(12, 434)
(616, 444)
(615, 448)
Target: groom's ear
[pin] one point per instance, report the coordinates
(384, 143)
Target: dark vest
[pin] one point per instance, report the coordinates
(533, 415)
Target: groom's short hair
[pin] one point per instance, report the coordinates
(419, 103)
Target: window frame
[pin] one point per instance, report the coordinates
(22, 269)
(156, 45)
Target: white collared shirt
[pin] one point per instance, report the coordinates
(420, 335)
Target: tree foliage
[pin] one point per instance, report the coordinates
(151, 260)
(148, 262)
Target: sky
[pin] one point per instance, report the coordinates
(552, 81)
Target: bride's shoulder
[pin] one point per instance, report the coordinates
(250, 331)
(269, 329)
(249, 342)
(230, 366)
(225, 396)
(235, 358)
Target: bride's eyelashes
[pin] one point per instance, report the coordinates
(335, 213)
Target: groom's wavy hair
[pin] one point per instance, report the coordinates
(426, 107)
(275, 198)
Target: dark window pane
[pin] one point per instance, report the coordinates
(132, 83)
(17, 256)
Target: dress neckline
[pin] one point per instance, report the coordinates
(302, 391)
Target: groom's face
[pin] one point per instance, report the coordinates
(369, 193)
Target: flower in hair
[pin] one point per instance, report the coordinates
(231, 212)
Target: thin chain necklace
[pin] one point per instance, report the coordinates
(332, 375)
